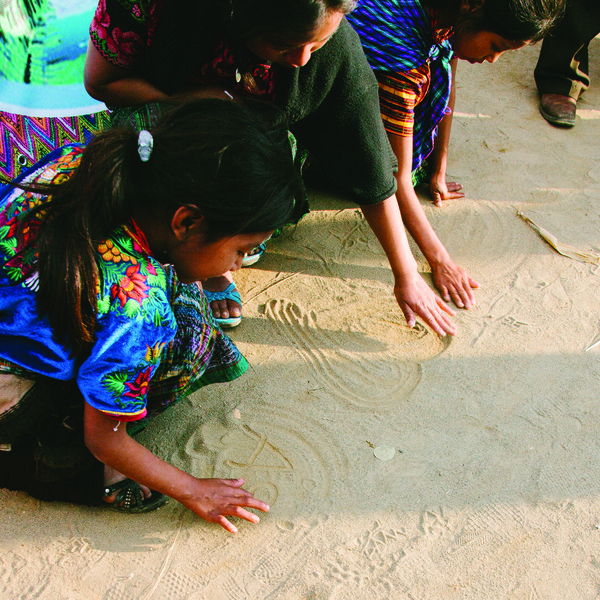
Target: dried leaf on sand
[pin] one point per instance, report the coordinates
(564, 249)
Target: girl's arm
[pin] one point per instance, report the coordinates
(115, 85)
(439, 188)
(211, 499)
(453, 282)
(414, 295)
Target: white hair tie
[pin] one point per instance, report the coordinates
(145, 143)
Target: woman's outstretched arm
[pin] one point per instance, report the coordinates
(439, 188)
(115, 85)
(414, 296)
(453, 281)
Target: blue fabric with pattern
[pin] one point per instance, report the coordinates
(397, 36)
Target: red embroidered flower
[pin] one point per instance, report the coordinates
(151, 268)
(124, 45)
(12, 227)
(27, 233)
(101, 20)
(139, 387)
(131, 287)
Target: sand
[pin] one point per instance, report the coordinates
(399, 465)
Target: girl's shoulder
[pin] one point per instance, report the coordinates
(134, 285)
(53, 168)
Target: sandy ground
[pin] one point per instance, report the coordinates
(493, 490)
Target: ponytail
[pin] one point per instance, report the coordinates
(80, 212)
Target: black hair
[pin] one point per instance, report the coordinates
(213, 154)
(514, 20)
(279, 21)
(521, 20)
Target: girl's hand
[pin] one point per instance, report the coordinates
(416, 298)
(441, 190)
(454, 283)
(216, 499)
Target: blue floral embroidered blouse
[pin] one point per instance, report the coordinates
(134, 319)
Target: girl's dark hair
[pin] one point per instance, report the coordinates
(514, 20)
(213, 154)
(279, 21)
(521, 20)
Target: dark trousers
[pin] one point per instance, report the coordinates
(562, 66)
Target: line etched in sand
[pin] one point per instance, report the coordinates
(365, 379)
(283, 458)
(486, 230)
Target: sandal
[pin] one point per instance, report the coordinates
(130, 498)
(229, 293)
(254, 256)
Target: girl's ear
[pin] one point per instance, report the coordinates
(471, 7)
(185, 220)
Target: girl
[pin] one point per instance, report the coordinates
(410, 45)
(97, 333)
(302, 56)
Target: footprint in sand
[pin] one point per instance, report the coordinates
(370, 363)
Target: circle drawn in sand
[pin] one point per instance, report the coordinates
(283, 458)
(487, 231)
(367, 363)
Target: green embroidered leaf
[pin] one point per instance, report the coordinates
(104, 305)
(134, 404)
(14, 274)
(8, 247)
(158, 280)
(132, 309)
(115, 383)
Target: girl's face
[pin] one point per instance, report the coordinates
(478, 46)
(197, 260)
(298, 55)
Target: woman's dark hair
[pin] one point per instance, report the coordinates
(283, 23)
(213, 154)
(279, 21)
(514, 20)
(521, 20)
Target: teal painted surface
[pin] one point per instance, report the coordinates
(42, 54)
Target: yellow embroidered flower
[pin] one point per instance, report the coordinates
(60, 177)
(110, 252)
(152, 354)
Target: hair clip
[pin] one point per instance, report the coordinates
(145, 144)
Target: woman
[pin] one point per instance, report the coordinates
(413, 48)
(300, 55)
